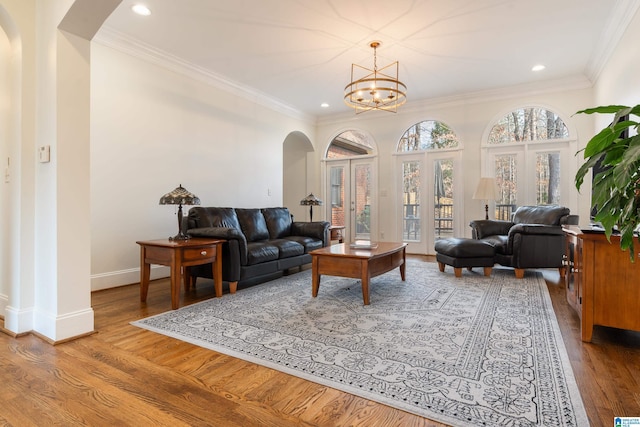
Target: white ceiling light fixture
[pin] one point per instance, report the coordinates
(375, 89)
(538, 67)
(141, 9)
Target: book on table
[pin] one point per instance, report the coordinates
(363, 244)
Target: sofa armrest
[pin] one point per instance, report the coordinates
(520, 234)
(570, 220)
(489, 227)
(317, 229)
(226, 233)
(536, 245)
(540, 229)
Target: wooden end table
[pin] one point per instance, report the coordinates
(178, 254)
(337, 233)
(342, 260)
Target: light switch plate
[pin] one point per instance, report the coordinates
(44, 154)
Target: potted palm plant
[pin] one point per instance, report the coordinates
(616, 188)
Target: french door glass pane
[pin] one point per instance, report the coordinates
(362, 201)
(443, 195)
(507, 183)
(548, 178)
(411, 200)
(337, 195)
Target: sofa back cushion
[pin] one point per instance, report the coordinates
(204, 217)
(548, 215)
(278, 222)
(253, 224)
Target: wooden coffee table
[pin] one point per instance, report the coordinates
(341, 260)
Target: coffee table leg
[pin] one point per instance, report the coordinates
(404, 263)
(365, 282)
(315, 277)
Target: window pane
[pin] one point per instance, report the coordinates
(548, 179)
(428, 135)
(443, 194)
(507, 183)
(337, 195)
(363, 201)
(411, 200)
(528, 124)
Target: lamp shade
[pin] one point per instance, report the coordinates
(179, 196)
(311, 200)
(486, 189)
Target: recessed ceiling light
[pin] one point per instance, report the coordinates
(538, 67)
(324, 105)
(141, 9)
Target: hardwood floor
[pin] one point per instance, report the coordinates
(123, 375)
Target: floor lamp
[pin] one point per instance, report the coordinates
(486, 191)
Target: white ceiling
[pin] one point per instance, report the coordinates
(298, 53)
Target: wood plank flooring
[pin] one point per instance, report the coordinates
(123, 375)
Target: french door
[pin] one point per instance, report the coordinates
(429, 209)
(351, 190)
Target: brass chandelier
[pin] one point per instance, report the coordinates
(377, 89)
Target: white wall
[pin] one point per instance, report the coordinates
(470, 118)
(5, 84)
(619, 82)
(153, 129)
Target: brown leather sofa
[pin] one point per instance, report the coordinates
(532, 239)
(261, 244)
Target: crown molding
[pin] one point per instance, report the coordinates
(116, 40)
(502, 93)
(623, 12)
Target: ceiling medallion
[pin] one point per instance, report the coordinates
(375, 89)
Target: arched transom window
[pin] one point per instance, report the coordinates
(427, 135)
(528, 124)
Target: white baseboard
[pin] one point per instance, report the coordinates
(4, 301)
(63, 327)
(114, 279)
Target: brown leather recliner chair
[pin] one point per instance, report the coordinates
(532, 239)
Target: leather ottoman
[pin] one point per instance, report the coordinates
(461, 252)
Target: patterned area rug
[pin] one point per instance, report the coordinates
(477, 351)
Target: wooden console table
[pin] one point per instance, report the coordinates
(179, 254)
(601, 281)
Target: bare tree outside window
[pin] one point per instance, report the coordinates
(428, 135)
(528, 124)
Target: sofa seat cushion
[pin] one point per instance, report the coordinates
(499, 242)
(287, 248)
(309, 243)
(264, 251)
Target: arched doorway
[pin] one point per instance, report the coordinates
(298, 172)
(351, 188)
